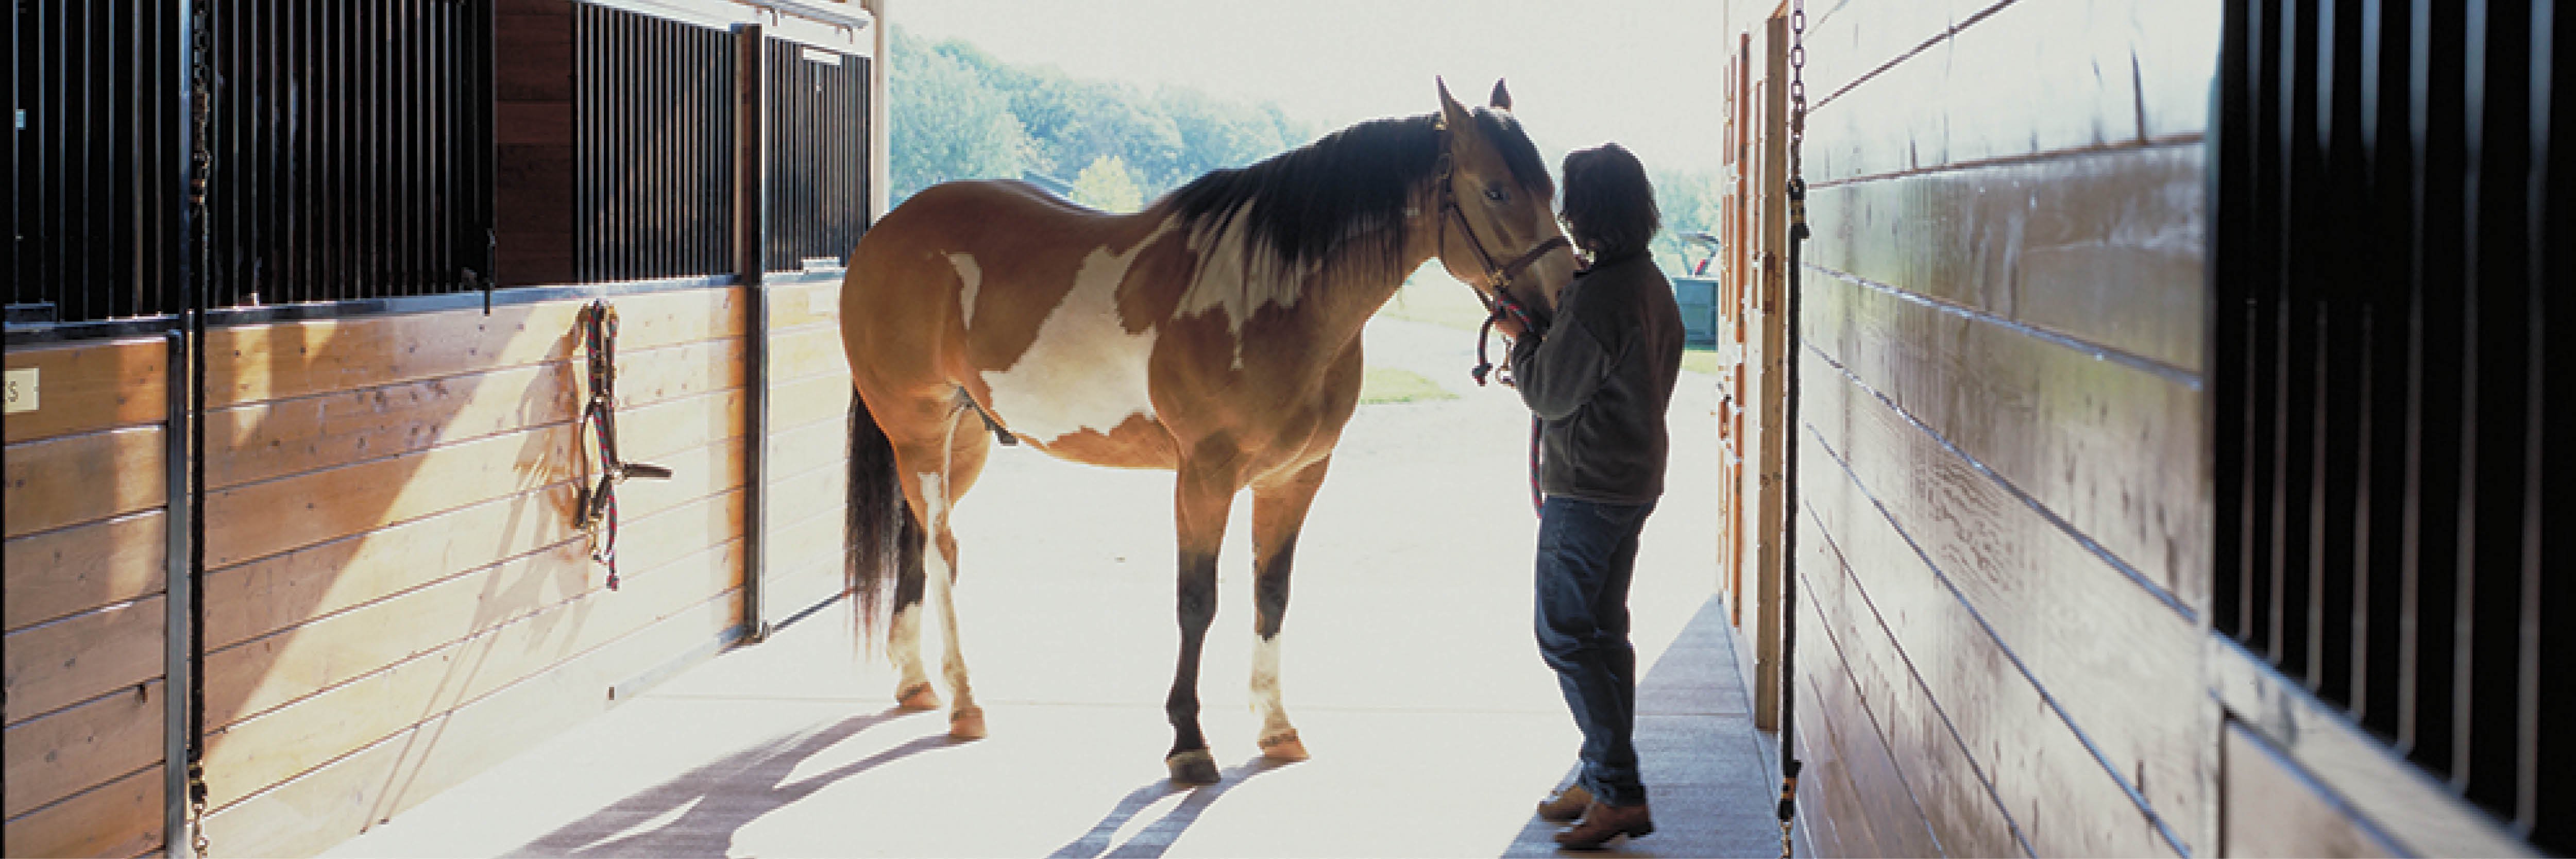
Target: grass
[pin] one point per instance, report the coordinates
(1383, 385)
(1701, 359)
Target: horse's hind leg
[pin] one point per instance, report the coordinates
(1278, 511)
(968, 445)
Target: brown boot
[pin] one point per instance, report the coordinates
(1604, 822)
(1567, 806)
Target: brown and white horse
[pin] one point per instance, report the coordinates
(1215, 334)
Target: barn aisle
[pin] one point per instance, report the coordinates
(1407, 664)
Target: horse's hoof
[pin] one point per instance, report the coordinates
(1195, 766)
(966, 724)
(1283, 747)
(917, 697)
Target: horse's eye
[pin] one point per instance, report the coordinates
(1497, 194)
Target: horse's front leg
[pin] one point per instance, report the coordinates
(1278, 511)
(1202, 499)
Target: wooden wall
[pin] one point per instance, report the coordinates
(84, 603)
(2004, 544)
(396, 598)
(809, 446)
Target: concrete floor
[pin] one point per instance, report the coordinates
(1407, 664)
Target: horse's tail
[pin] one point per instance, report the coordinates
(883, 537)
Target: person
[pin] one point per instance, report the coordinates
(1599, 379)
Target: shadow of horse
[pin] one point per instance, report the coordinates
(1157, 837)
(716, 800)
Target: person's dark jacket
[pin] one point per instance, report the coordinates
(1599, 380)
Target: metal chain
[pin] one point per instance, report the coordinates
(1798, 233)
(201, 160)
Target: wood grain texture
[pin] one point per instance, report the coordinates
(113, 821)
(76, 479)
(72, 570)
(809, 350)
(2104, 247)
(1875, 810)
(64, 753)
(2115, 664)
(283, 590)
(264, 519)
(339, 800)
(86, 387)
(292, 359)
(2275, 809)
(2035, 76)
(54, 665)
(2113, 450)
(257, 753)
(810, 302)
(821, 444)
(1949, 787)
(820, 398)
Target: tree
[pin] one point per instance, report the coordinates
(949, 124)
(1109, 186)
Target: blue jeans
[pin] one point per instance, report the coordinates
(1587, 553)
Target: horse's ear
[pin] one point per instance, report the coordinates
(1502, 98)
(1453, 115)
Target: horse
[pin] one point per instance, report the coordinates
(1215, 334)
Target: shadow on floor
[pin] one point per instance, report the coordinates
(707, 805)
(1703, 762)
(1157, 837)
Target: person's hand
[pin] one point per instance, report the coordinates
(1510, 325)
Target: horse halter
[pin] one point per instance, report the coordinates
(1498, 277)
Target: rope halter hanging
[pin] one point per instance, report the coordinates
(597, 513)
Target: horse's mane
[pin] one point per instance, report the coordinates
(1351, 186)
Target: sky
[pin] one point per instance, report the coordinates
(1644, 73)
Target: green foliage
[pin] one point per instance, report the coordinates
(1107, 185)
(948, 122)
(959, 113)
(1690, 201)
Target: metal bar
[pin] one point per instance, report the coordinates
(749, 167)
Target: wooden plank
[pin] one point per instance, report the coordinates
(261, 441)
(263, 673)
(271, 439)
(257, 753)
(2113, 449)
(821, 444)
(282, 590)
(82, 478)
(2104, 247)
(817, 398)
(54, 665)
(326, 806)
(808, 350)
(1833, 618)
(533, 54)
(119, 819)
(2116, 663)
(2273, 808)
(64, 753)
(267, 672)
(87, 387)
(2037, 76)
(1878, 810)
(292, 359)
(813, 302)
(263, 519)
(72, 570)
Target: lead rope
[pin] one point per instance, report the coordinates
(1789, 763)
(597, 513)
(201, 164)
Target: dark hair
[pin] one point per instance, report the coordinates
(1609, 207)
(1349, 188)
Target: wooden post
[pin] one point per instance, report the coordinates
(1772, 434)
(879, 163)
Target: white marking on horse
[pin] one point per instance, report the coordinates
(970, 277)
(1085, 371)
(1238, 283)
(1265, 685)
(940, 569)
(904, 646)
